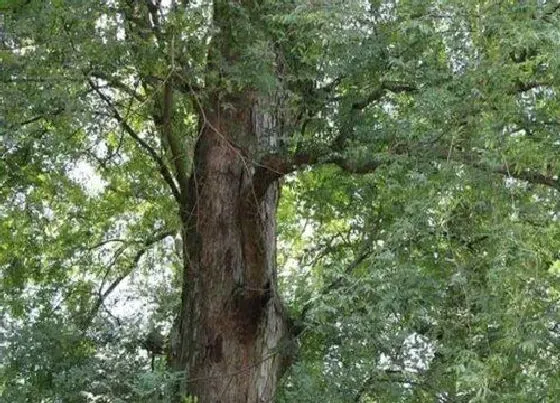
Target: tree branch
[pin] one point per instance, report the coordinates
(56, 112)
(337, 282)
(379, 92)
(105, 242)
(513, 170)
(273, 166)
(164, 170)
(390, 377)
(116, 84)
(546, 16)
(102, 296)
(347, 125)
(178, 154)
(516, 172)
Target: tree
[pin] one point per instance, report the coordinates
(226, 99)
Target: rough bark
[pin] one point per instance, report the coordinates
(233, 324)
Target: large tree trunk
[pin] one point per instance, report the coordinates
(232, 327)
(232, 324)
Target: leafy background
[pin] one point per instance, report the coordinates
(433, 277)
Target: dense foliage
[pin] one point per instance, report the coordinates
(419, 253)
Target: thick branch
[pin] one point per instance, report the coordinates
(178, 154)
(528, 176)
(274, 166)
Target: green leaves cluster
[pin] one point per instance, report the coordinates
(431, 276)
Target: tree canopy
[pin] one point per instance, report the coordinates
(418, 218)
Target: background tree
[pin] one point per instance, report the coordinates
(418, 146)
